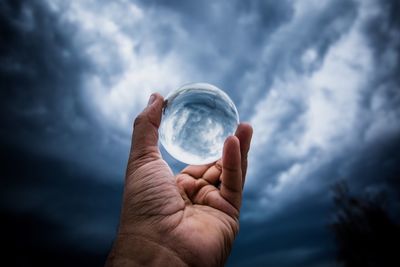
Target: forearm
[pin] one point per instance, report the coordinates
(138, 251)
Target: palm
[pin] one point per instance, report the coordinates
(211, 219)
(189, 204)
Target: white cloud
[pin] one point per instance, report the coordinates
(128, 67)
(386, 121)
(329, 124)
(309, 57)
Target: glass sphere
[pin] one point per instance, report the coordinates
(197, 118)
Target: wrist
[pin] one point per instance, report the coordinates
(129, 250)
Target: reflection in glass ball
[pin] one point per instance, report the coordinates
(197, 118)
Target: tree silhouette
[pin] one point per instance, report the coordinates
(365, 234)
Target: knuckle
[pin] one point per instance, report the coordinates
(180, 179)
(231, 170)
(139, 120)
(218, 165)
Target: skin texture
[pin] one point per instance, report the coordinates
(190, 219)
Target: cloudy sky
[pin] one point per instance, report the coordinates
(318, 80)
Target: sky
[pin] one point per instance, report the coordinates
(316, 79)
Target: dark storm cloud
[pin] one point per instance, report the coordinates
(39, 66)
(288, 238)
(51, 195)
(382, 31)
(382, 28)
(41, 72)
(248, 48)
(225, 16)
(52, 211)
(298, 233)
(373, 169)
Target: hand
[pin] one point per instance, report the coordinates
(188, 220)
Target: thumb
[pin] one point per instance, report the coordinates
(145, 132)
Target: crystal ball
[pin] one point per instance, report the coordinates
(196, 120)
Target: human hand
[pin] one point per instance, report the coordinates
(188, 220)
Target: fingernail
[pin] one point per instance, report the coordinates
(151, 99)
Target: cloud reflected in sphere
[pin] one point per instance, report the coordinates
(197, 118)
